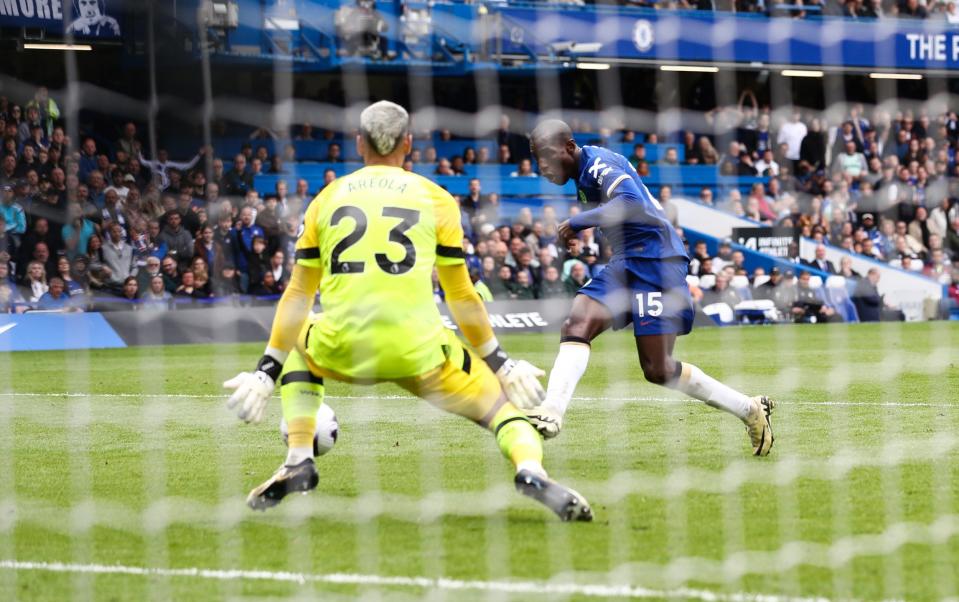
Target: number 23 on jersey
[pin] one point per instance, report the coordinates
(408, 218)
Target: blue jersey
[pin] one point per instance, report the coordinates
(629, 216)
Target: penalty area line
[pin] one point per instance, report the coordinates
(595, 590)
(649, 400)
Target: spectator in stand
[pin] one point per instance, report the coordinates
(205, 247)
(157, 297)
(88, 159)
(118, 256)
(792, 134)
(951, 243)
(14, 217)
(170, 274)
(24, 129)
(524, 170)
(721, 292)
(941, 216)
(691, 149)
(201, 277)
(77, 233)
(238, 180)
(49, 111)
(866, 297)
(187, 288)
(443, 168)
(745, 167)
(912, 9)
(281, 275)
(144, 275)
(473, 198)
(227, 282)
(128, 142)
(131, 292)
(809, 306)
(670, 157)
(578, 277)
(178, 241)
(517, 145)
(162, 166)
(729, 162)
(762, 206)
(334, 153)
(669, 208)
(7, 247)
(56, 297)
(267, 286)
(708, 155)
(500, 284)
(258, 260)
(8, 171)
(11, 301)
(522, 287)
(269, 220)
(551, 286)
(244, 235)
(820, 262)
(638, 159)
(767, 166)
(35, 281)
(503, 156)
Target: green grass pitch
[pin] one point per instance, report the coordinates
(859, 499)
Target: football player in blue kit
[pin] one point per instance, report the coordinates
(644, 284)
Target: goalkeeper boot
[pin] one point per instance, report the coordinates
(567, 504)
(301, 478)
(758, 426)
(546, 421)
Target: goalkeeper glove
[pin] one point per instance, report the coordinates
(251, 391)
(520, 380)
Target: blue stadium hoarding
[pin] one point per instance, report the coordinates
(43, 331)
(631, 34)
(717, 37)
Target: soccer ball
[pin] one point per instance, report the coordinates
(327, 429)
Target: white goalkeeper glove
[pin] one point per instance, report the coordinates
(252, 391)
(519, 379)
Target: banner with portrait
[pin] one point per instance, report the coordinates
(82, 19)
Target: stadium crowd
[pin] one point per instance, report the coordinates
(91, 227)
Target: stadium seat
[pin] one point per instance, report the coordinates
(836, 282)
(815, 282)
(740, 284)
(720, 313)
(707, 281)
(760, 311)
(692, 280)
(760, 280)
(836, 295)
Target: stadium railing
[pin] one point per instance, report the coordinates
(316, 150)
(495, 178)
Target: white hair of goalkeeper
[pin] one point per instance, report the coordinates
(384, 128)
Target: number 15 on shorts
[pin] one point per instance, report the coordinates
(649, 304)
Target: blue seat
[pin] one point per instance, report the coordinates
(836, 294)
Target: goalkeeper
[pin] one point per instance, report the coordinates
(369, 243)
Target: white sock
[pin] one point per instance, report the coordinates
(696, 383)
(532, 466)
(568, 368)
(295, 455)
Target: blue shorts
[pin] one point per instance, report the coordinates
(650, 293)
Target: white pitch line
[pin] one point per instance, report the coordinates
(595, 590)
(653, 400)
